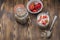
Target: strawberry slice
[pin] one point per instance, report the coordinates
(43, 22)
(41, 17)
(39, 20)
(44, 17)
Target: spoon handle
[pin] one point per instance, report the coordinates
(53, 22)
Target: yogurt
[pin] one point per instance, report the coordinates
(43, 19)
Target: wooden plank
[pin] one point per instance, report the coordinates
(11, 30)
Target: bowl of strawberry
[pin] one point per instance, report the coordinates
(43, 20)
(34, 6)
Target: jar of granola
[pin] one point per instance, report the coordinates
(21, 13)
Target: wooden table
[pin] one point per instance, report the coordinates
(11, 30)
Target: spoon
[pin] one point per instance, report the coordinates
(48, 33)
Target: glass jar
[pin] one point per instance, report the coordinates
(21, 14)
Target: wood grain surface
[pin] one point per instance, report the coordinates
(12, 30)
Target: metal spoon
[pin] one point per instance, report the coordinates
(48, 33)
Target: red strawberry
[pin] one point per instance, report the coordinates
(31, 6)
(38, 6)
(43, 22)
(34, 10)
(41, 17)
(39, 20)
(44, 17)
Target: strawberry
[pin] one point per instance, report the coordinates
(39, 20)
(41, 17)
(43, 22)
(34, 10)
(44, 17)
(31, 6)
(38, 6)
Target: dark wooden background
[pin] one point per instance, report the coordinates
(11, 30)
